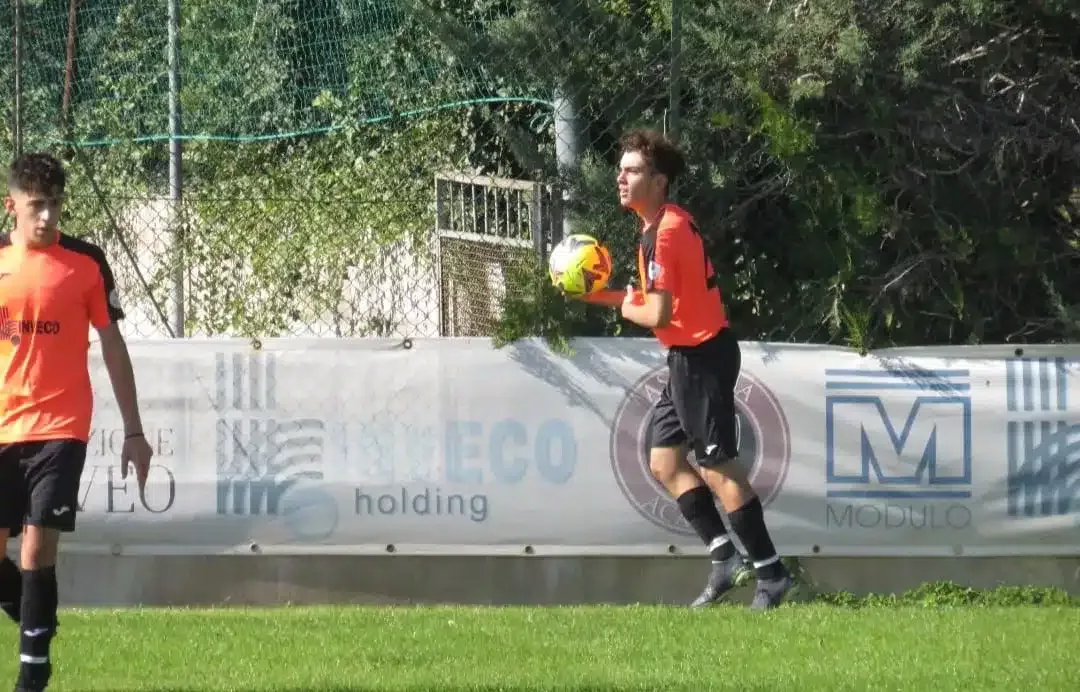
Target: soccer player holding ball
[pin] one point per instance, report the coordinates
(680, 301)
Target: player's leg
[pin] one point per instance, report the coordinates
(10, 582)
(52, 471)
(667, 461)
(12, 512)
(705, 399)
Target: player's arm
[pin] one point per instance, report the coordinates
(105, 314)
(136, 449)
(611, 299)
(651, 308)
(114, 352)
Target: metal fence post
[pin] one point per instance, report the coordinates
(567, 154)
(176, 168)
(675, 75)
(536, 222)
(17, 123)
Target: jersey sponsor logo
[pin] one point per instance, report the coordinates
(764, 442)
(45, 327)
(9, 328)
(12, 330)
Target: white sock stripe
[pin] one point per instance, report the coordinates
(766, 563)
(719, 542)
(26, 658)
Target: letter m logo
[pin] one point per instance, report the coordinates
(898, 434)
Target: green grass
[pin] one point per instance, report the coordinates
(878, 647)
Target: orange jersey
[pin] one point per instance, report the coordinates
(49, 298)
(672, 258)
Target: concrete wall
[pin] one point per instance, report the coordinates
(101, 580)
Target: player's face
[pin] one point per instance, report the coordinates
(640, 187)
(37, 214)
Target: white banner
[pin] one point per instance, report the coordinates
(453, 446)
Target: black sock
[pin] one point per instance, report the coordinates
(748, 523)
(39, 604)
(10, 588)
(699, 509)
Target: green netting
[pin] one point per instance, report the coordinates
(252, 69)
(276, 234)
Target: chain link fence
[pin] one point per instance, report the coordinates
(386, 167)
(325, 168)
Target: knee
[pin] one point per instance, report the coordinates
(39, 548)
(728, 479)
(725, 469)
(664, 464)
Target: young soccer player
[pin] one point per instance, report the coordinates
(681, 302)
(53, 288)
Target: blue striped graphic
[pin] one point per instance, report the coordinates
(900, 494)
(1043, 379)
(944, 381)
(894, 374)
(919, 386)
(1043, 455)
(259, 457)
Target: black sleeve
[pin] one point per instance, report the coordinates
(112, 296)
(647, 248)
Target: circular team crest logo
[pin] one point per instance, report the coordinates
(764, 445)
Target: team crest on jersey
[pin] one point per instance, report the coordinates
(655, 270)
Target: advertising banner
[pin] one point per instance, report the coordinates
(452, 446)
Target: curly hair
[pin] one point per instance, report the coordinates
(37, 172)
(657, 150)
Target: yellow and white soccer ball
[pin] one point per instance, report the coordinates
(579, 265)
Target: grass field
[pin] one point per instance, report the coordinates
(798, 647)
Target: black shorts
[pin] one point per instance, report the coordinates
(39, 484)
(697, 407)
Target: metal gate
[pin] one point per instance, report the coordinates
(485, 228)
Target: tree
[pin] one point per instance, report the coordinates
(880, 175)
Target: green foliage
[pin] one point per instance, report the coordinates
(539, 309)
(878, 175)
(949, 595)
(867, 174)
(314, 133)
(270, 263)
(592, 210)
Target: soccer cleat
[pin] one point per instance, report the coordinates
(770, 593)
(724, 577)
